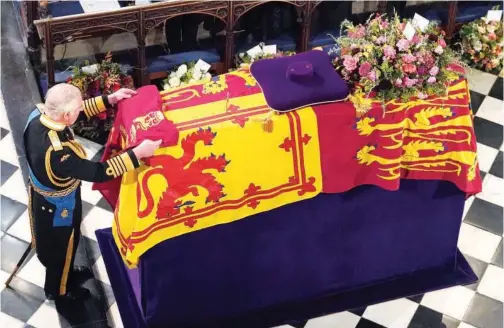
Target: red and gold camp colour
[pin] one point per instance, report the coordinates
(227, 167)
(224, 168)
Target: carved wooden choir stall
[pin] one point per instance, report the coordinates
(62, 23)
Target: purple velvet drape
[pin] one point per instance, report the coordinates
(321, 255)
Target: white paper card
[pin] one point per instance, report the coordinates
(93, 6)
(420, 22)
(494, 15)
(90, 69)
(141, 2)
(409, 31)
(270, 50)
(202, 66)
(254, 51)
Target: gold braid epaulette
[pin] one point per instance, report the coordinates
(58, 193)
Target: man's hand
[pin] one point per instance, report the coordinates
(120, 95)
(146, 148)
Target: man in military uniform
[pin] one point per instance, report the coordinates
(57, 163)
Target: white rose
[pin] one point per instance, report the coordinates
(166, 86)
(477, 45)
(174, 82)
(208, 76)
(241, 55)
(197, 75)
(438, 50)
(173, 74)
(490, 28)
(182, 69)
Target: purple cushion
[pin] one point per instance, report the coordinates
(306, 79)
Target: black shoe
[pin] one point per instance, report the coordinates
(76, 294)
(81, 274)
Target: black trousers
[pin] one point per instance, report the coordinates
(55, 246)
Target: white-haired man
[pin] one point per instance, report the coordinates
(57, 163)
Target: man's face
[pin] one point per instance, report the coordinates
(71, 116)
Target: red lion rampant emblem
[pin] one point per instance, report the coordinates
(183, 175)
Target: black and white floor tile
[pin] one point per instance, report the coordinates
(481, 237)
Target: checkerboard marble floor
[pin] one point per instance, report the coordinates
(479, 305)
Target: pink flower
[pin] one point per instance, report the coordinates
(408, 59)
(372, 76)
(358, 32)
(350, 63)
(421, 95)
(398, 82)
(434, 71)
(438, 50)
(361, 31)
(492, 36)
(364, 69)
(416, 39)
(422, 70)
(409, 68)
(442, 43)
(426, 58)
(431, 80)
(389, 52)
(409, 82)
(381, 40)
(402, 45)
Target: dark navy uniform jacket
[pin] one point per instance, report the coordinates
(57, 164)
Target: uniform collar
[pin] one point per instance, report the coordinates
(40, 108)
(49, 123)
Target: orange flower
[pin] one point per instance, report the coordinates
(409, 68)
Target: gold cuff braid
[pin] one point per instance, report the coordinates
(94, 106)
(118, 165)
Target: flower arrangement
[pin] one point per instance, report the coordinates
(378, 61)
(185, 74)
(95, 80)
(244, 60)
(482, 44)
(100, 79)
